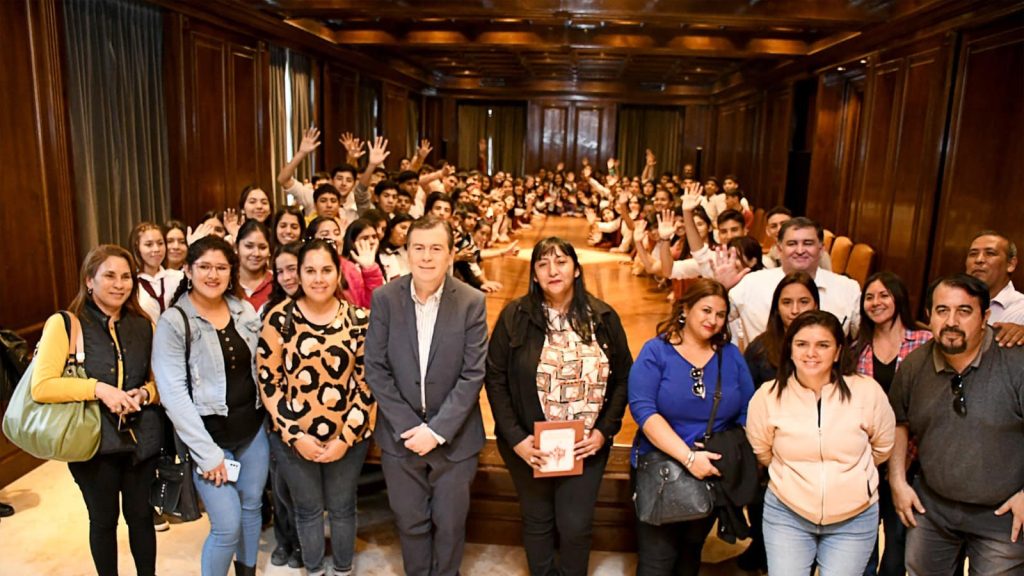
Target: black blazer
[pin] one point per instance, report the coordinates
(512, 360)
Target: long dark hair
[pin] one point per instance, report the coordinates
(843, 365)
(749, 249)
(400, 218)
(136, 238)
(277, 293)
(249, 228)
(775, 331)
(332, 252)
(93, 260)
(580, 315)
(196, 251)
(245, 196)
(671, 329)
(288, 211)
(315, 224)
(901, 304)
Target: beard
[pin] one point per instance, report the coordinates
(957, 347)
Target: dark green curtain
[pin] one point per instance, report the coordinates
(504, 125)
(300, 74)
(114, 64)
(279, 152)
(656, 127)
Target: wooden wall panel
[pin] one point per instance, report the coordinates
(38, 273)
(696, 133)
(339, 111)
(569, 131)
(218, 115)
(983, 184)
(771, 188)
(394, 122)
(879, 140)
(738, 141)
(554, 130)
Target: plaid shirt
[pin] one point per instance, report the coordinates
(911, 340)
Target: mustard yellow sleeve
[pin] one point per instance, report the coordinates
(48, 381)
(150, 386)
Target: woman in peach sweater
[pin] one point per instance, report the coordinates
(822, 430)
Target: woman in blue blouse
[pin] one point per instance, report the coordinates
(671, 386)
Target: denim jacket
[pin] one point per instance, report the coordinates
(206, 362)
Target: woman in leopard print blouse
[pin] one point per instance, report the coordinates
(310, 370)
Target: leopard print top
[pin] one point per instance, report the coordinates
(311, 377)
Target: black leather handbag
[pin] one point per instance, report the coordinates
(665, 491)
(173, 491)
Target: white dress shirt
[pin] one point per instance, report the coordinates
(752, 300)
(1007, 306)
(164, 284)
(426, 318)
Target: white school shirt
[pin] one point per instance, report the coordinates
(165, 283)
(752, 299)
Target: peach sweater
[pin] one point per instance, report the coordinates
(823, 468)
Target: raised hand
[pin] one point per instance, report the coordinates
(560, 167)
(310, 140)
(591, 214)
(649, 155)
(690, 202)
(353, 146)
(364, 253)
(639, 231)
(233, 220)
(666, 225)
(379, 151)
(729, 268)
(201, 231)
(424, 149)
(447, 170)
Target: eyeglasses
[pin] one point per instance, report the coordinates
(959, 400)
(698, 382)
(206, 269)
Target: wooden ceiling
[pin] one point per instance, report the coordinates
(682, 47)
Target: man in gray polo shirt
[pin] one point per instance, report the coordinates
(962, 399)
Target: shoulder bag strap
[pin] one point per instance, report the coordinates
(717, 397)
(76, 340)
(188, 349)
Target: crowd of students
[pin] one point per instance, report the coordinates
(278, 342)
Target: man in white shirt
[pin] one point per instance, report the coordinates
(800, 242)
(992, 258)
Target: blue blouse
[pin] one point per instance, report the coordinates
(660, 383)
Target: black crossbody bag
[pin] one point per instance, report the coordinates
(665, 491)
(173, 491)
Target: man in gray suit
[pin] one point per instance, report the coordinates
(425, 359)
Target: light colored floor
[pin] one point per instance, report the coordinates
(49, 535)
(49, 532)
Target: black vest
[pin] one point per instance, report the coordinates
(135, 337)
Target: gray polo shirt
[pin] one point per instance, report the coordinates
(977, 458)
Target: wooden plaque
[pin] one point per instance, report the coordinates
(558, 438)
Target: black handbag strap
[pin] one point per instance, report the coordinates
(717, 397)
(188, 349)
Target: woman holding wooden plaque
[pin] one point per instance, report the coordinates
(558, 362)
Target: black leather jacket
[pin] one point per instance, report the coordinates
(512, 360)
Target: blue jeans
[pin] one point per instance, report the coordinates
(794, 544)
(315, 487)
(234, 509)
